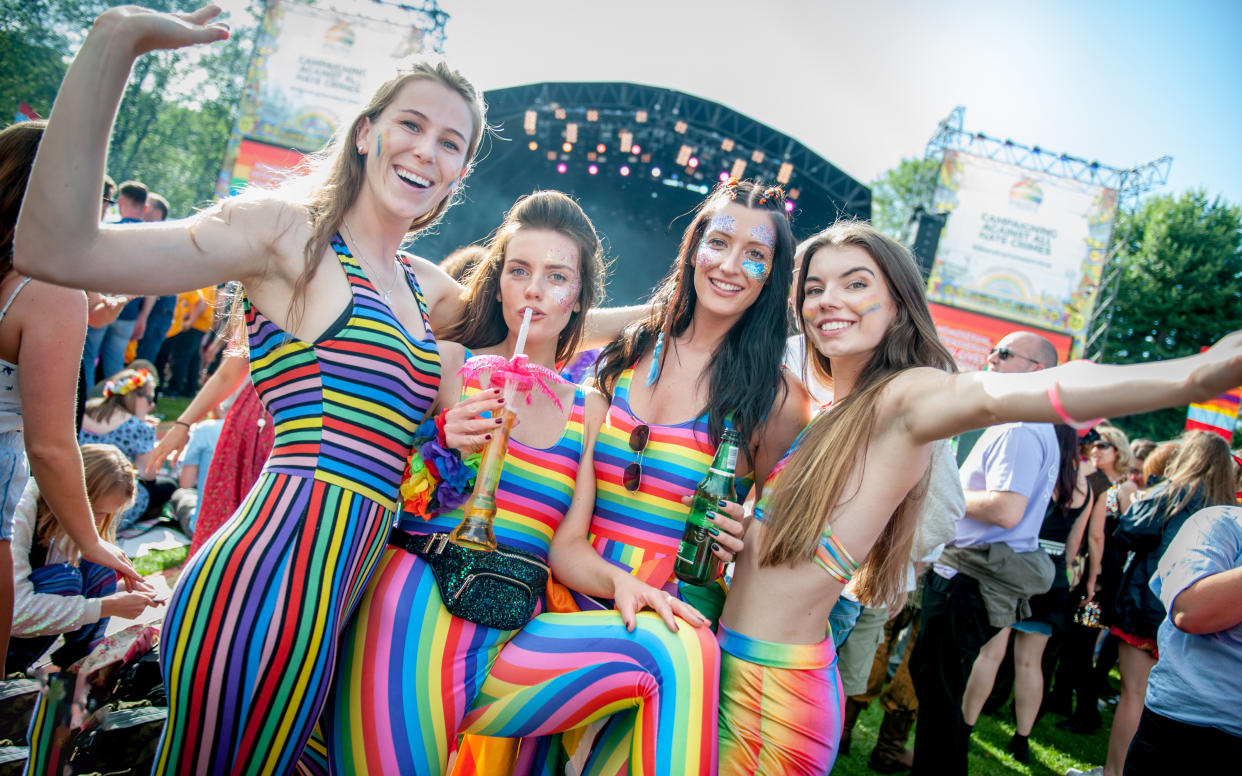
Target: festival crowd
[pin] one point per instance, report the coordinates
(350, 406)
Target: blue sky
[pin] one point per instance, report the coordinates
(864, 83)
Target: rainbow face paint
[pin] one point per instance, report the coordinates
(870, 305)
(764, 234)
(379, 143)
(755, 270)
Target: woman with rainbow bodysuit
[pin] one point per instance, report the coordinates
(707, 357)
(341, 352)
(410, 670)
(843, 503)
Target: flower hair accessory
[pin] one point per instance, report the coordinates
(128, 385)
(774, 193)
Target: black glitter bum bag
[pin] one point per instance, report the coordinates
(498, 589)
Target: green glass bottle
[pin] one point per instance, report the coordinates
(696, 563)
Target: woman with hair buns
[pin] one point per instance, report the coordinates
(843, 504)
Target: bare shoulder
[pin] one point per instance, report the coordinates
(595, 406)
(452, 356)
(38, 297)
(441, 292)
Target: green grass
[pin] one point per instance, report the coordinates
(158, 560)
(1052, 750)
(170, 408)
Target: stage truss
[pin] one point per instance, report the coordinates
(1129, 183)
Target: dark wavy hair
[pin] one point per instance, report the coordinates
(1067, 475)
(18, 144)
(746, 370)
(482, 323)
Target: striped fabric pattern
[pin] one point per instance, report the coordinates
(409, 670)
(1218, 415)
(630, 529)
(563, 671)
(251, 635)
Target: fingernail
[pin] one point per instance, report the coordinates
(487, 437)
(722, 503)
(499, 421)
(713, 530)
(710, 515)
(715, 546)
(501, 400)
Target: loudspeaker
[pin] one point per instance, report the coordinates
(927, 238)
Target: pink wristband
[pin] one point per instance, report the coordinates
(1054, 396)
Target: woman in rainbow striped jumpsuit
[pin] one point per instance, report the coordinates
(342, 354)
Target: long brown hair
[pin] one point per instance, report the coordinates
(745, 372)
(121, 394)
(18, 144)
(483, 322)
(1204, 469)
(832, 454)
(107, 471)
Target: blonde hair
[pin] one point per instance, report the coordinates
(107, 470)
(817, 478)
(1121, 443)
(1204, 467)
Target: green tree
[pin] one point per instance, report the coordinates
(174, 122)
(896, 192)
(1180, 289)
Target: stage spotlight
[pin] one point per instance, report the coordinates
(795, 193)
(641, 117)
(692, 161)
(560, 113)
(551, 156)
(683, 155)
(739, 167)
(592, 156)
(592, 115)
(757, 157)
(636, 150)
(655, 172)
(561, 168)
(531, 117)
(783, 175)
(680, 127)
(727, 144)
(592, 169)
(789, 205)
(567, 147)
(601, 148)
(626, 139)
(724, 176)
(571, 132)
(533, 146)
(625, 170)
(645, 158)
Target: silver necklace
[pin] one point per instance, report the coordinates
(392, 284)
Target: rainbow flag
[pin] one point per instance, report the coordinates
(1217, 415)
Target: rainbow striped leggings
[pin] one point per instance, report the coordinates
(781, 706)
(412, 677)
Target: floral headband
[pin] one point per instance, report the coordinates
(131, 383)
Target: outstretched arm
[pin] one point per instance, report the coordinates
(227, 377)
(933, 405)
(59, 237)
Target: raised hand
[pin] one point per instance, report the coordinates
(727, 526)
(464, 427)
(147, 30)
(108, 554)
(1221, 369)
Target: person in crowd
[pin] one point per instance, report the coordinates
(1062, 530)
(192, 476)
(716, 322)
(1191, 719)
(40, 356)
(1140, 449)
(1157, 463)
(104, 351)
(119, 418)
(58, 592)
(983, 581)
(156, 314)
(845, 490)
(109, 197)
(546, 257)
(178, 357)
(460, 263)
(1204, 475)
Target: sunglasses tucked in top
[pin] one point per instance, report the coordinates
(633, 475)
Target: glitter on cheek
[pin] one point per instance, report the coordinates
(755, 270)
(765, 235)
(707, 256)
(565, 296)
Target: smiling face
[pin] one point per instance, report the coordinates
(847, 307)
(415, 148)
(733, 259)
(541, 271)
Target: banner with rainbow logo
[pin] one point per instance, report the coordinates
(1218, 415)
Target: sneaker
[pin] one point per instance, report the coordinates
(1020, 748)
(1096, 771)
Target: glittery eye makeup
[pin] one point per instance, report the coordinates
(765, 235)
(566, 295)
